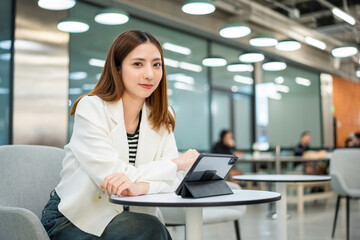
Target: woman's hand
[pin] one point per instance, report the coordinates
(120, 184)
(186, 160)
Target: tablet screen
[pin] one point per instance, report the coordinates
(209, 167)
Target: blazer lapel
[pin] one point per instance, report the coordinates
(149, 140)
(118, 133)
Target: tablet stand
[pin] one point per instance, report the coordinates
(209, 188)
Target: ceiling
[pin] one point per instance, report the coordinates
(311, 15)
(317, 15)
(295, 19)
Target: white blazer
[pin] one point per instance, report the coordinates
(98, 148)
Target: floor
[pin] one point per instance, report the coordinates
(314, 224)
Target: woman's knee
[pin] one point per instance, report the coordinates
(147, 226)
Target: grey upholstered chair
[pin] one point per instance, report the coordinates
(345, 180)
(28, 175)
(176, 216)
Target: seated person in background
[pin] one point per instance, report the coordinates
(226, 145)
(303, 150)
(353, 141)
(304, 144)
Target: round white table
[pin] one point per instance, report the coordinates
(280, 187)
(194, 218)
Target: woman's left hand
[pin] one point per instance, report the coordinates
(120, 184)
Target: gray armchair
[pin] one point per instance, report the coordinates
(176, 216)
(345, 180)
(28, 174)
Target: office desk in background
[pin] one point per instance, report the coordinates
(194, 218)
(271, 160)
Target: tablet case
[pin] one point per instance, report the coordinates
(208, 188)
(200, 183)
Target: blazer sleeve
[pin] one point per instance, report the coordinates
(170, 151)
(93, 149)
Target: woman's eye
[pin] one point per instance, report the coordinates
(138, 64)
(157, 64)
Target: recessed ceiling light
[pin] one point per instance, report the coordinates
(177, 48)
(214, 61)
(344, 16)
(77, 75)
(234, 88)
(358, 73)
(279, 80)
(344, 51)
(190, 66)
(180, 77)
(198, 7)
(274, 66)
(73, 25)
(96, 62)
(282, 88)
(235, 30)
(171, 62)
(75, 91)
(56, 4)
(288, 45)
(303, 81)
(251, 57)
(263, 40)
(316, 43)
(240, 67)
(244, 80)
(112, 16)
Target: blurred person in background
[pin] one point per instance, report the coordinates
(226, 145)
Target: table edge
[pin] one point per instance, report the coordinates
(210, 204)
(264, 180)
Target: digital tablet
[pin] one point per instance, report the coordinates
(208, 167)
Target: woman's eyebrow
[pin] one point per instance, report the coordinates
(143, 59)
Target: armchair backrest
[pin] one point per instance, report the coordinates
(345, 171)
(28, 174)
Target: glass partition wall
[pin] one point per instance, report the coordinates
(205, 99)
(232, 89)
(293, 106)
(6, 30)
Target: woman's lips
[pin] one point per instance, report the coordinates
(146, 86)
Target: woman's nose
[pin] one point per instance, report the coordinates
(148, 72)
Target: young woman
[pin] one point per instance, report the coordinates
(123, 144)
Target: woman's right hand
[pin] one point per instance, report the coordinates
(186, 160)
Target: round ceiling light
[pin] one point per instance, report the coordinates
(198, 7)
(344, 51)
(214, 61)
(251, 57)
(112, 16)
(288, 45)
(274, 66)
(235, 30)
(73, 25)
(263, 40)
(56, 4)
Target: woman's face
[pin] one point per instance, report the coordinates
(142, 71)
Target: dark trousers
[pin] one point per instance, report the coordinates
(125, 226)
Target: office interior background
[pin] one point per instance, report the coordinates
(44, 70)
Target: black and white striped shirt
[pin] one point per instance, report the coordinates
(133, 140)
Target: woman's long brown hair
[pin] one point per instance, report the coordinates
(110, 86)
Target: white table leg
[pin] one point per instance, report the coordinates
(281, 225)
(194, 223)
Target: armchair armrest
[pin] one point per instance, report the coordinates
(21, 224)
